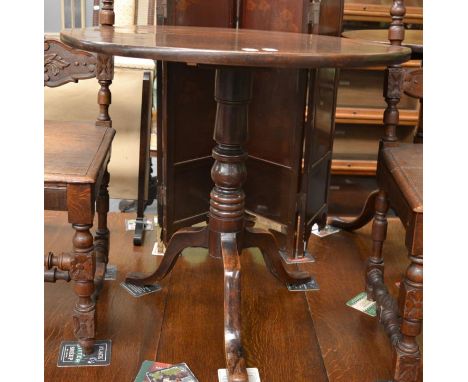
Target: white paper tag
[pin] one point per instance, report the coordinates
(111, 272)
(361, 303)
(252, 373)
(130, 225)
(326, 231)
(158, 249)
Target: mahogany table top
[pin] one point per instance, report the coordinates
(224, 46)
(413, 38)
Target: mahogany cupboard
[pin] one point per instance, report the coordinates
(291, 124)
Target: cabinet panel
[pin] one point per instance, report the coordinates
(186, 115)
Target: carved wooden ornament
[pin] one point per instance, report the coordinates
(63, 64)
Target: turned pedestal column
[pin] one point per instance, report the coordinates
(226, 234)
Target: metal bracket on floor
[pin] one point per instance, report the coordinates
(307, 258)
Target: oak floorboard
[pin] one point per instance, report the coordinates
(192, 331)
(133, 324)
(278, 332)
(272, 317)
(354, 345)
(288, 336)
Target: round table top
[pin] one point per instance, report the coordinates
(413, 38)
(242, 47)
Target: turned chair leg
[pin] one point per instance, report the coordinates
(102, 237)
(375, 263)
(407, 357)
(82, 270)
(101, 241)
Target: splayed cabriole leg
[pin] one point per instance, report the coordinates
(364, 217)
(255, 237)
(82, 269)
(227, 213)
(235, 362)
(407, 357)
(227, 233)
(183, 238)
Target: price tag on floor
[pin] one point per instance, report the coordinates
(111, 272)
(131, 223)
(138, 291)
(252, 373)
(325, 231)
(310, 285)
(72, 355)
(361, 303)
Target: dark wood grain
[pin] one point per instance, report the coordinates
(144, 157)
(76, 156)
(119, 315)
(355, 347)
(280, 331)
(226, 224)
(233, 47)
(364, 217)
(413, 38)
(86, 148)
(63, 64)
(400, 181)
(183, 335)
(192, 330)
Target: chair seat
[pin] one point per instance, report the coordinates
(75, 152)
(405, 163)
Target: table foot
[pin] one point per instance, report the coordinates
(139, 234)
(183, 238)
(236, 368)
(265, 241)
(364, 217)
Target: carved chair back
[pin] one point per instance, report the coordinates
(63, 64)
(398, 80)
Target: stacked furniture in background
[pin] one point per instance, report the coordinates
(76, 179)
(360, 107)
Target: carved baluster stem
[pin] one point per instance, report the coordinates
(105, 75)
(105, 68)
(106, 14)
(226, 216)
(379, 233)
(82, 269)
(407, 356)
(394, 73)
(232, 94)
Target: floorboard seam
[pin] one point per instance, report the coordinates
(316, 336)
(169, 284)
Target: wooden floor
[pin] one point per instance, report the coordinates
(288, 336)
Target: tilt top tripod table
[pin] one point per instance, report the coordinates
(235, 54)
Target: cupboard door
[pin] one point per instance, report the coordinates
(318, 141)
(282, 138)
(187, 120)
(276, 121)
